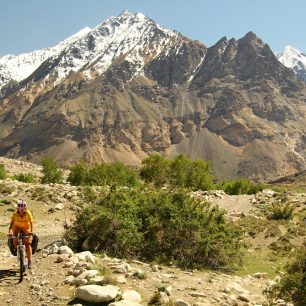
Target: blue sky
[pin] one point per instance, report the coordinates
(28, 25)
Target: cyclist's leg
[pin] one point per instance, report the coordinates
(16, 231)
(27, 242)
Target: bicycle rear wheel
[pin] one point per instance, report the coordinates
(21, 263)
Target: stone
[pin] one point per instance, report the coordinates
(97, 294)
(131, 295)
(181, 303)
(65, 250)
(124, 303)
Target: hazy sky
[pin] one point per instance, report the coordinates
(28, 25)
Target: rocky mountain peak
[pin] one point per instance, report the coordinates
(129, 87)
(294, 59)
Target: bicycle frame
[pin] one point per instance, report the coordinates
(21, 253)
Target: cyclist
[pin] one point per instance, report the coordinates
(22, 221)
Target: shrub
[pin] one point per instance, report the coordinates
(187, 173)
(155, 170)
(112, 174)
(3, 173)
(281, 211)
(78, 174)
(25, 177)
(240, 186)
(51, 173)
(158, 225)
(292, 287)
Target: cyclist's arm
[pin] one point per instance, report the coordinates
(32, 227)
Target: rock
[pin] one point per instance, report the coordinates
(124, 303)
(131, 295)
(97, 294)
(163, 298)
(69, 279)
(181, 303)
(65, 250)
(80, 281)
(120, 269)
(244, 297)
(59, 206)
(62, 257)
(88, 274)
(168, 290)
(121, 279)
(97, 280)
(235, 287)
(260, 275)
(198, 294)
(86, 256)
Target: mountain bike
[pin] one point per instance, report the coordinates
(21, 253)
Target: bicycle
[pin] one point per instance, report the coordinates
(21, 253)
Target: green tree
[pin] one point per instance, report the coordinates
(51, 172)
(200, 175)
(3, 172)
(78, 174)
(155, 169)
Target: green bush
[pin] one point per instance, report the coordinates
(179, 172)
(78, 174)
(3, 173)
(281, 211)
(155, 169)
(115, 173)
(292, 287)
(24, 177)
(158, 226)
(240, 186)
(51, 173)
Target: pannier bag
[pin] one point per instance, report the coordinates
(14, 250)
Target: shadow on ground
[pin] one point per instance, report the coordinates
(78, 301)
(8, 276)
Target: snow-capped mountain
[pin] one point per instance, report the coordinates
(92, 51)
(128, 88)
(294, 59)
(17, 68)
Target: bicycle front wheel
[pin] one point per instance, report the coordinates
(21, 262)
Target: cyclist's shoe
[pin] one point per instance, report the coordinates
(30, 264)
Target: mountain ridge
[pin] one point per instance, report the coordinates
(155, 90)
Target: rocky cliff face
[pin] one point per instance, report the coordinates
(129, 88)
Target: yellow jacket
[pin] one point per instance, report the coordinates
(22, 221)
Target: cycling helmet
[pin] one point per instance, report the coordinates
(22, 204)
